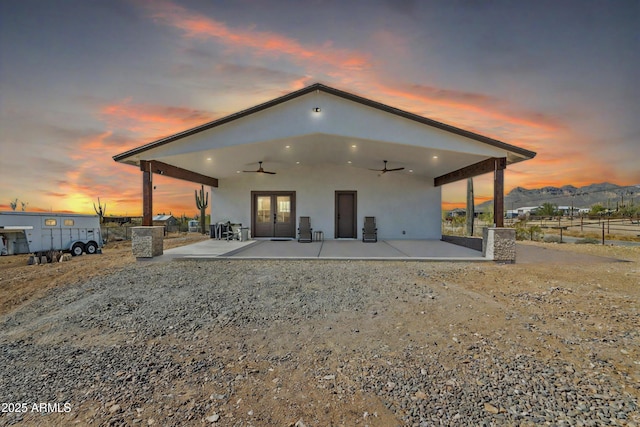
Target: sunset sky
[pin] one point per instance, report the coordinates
(81, 81)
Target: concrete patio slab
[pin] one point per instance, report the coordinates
(279, 249)
(355, 249)
(204, 249)
(433, 249)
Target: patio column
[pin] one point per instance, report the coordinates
(147, 193)
(498, 191)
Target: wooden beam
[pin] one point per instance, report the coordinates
(485, 166)
(179, 173)
(147, 193)
(498, 197)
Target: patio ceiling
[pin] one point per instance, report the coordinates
(317, 149)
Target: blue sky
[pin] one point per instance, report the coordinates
(81, 81)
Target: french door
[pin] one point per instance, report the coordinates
(273, 213)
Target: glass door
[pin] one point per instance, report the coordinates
(273, 214)
(263, 219)
(282, 223)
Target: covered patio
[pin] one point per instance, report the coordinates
(331, 156)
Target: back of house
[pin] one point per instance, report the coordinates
(37, 232)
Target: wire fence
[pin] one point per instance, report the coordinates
(586, 224)
(123, 232)
(623, 228)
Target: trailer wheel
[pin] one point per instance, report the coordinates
(77, 249)
(91, 248)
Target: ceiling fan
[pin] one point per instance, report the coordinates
(261, 170)
(385, 170)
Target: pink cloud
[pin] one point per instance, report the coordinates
(194, 25)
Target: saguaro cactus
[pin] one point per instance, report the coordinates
(100, 210)
(202, 202)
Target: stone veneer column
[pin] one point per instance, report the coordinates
(146, 242)
(499, 244)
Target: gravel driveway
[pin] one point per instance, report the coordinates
(240, 343)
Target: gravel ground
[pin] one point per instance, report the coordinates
(294, 343)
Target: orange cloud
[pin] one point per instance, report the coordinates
(199, 26)
(152, 120)
(478, 104)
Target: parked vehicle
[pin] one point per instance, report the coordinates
(40, 232)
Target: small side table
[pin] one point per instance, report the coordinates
(318, 236)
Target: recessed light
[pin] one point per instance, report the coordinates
(354, 146)
(237, 171)
(410, 170)
(208, 158)
(297, 163)
(349, 162)
(435, 157)
(287, 146)
(317, 110)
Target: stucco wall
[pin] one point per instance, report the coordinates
(399, 201)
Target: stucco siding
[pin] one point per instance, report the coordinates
(399, 201)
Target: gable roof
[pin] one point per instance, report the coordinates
(524, 154)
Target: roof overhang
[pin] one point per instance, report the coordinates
(348, 130)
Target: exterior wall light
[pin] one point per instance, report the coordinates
(316, 109)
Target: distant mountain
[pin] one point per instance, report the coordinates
(606, 194)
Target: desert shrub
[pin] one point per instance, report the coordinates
(525, 231)
(588, 240)
(551, 239)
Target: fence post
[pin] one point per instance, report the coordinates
(603, 233)
(581, 222)
(560, 234)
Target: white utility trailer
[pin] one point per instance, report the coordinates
(41, 232)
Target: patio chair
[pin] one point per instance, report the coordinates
(369, 231)
(305, 230)
(226, 231)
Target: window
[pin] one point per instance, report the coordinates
(69, 222)
(51, 222)
(284, 208)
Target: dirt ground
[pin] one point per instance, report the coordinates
(582, 314)
(20, 283)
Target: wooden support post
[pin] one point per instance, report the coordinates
(498, 191)
(147, 193)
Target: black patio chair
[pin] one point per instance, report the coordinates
(369, 231)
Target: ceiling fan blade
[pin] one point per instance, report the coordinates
(396, 169)
(270, 173)
(250, 171)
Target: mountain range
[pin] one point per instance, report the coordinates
(606, 194)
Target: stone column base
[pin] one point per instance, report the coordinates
(147, 242)
(499, 244)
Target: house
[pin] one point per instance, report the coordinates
(330, 155)
(165, 220)
(527, 211)
(457, 213)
